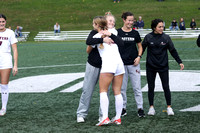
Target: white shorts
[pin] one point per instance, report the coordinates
(5, 60)
(117, 68)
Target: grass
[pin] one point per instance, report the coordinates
(56, 112)
(41, 15)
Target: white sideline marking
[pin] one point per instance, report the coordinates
(178, 81)
(42, 83)
(51, 66)
(65, 65)
(74, 87)
(195, 108)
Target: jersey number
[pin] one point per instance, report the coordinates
(0, 43)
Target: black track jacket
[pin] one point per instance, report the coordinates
(157, 57)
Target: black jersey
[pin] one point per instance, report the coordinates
(94, 58)
(129, 51)
(157, 46)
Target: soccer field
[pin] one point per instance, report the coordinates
(39, 101)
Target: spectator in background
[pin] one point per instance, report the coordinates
(140, 23)
(198, 41)
(117, 1)
(174, 25)
(135, 24)
(18, 31)
(56, 28)
(193, 24)
(182, 24)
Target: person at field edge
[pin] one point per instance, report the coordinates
(193, 24)
(112, 68)
(182, 24)
(91, 78)
(131, 54)
(7, 40)
(174, 25)
(56, 28)
(157, 44)
(140, 23)
(18, 31)
(198, 41)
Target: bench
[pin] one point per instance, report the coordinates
(24, 37)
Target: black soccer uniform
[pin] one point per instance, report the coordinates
(157, 61)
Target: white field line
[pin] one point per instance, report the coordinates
(66, 65)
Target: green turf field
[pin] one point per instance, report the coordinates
(56, 112)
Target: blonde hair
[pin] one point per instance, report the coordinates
(101, 22)
(109, 14)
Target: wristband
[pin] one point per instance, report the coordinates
(139, 56)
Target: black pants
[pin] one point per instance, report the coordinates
(164, 76)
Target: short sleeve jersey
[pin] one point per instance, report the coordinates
(7, 38)
(129, 51)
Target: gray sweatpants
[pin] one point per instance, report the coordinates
(90, 80)
(134, 73)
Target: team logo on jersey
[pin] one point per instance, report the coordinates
(162, 43)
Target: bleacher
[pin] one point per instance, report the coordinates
(64, 35)
(24, 36)
(82, 35)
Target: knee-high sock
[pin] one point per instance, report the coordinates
(104, 104)
(118, 105)
(4, 95)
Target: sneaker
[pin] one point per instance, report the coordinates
(141, 113)
(123, 112)
(80, 119)
(170, 111)
(116, 121)
(2, 112)
(103, 122)
(151, 111)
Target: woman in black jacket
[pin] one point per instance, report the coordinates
(157, 62)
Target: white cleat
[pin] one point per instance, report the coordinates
(151, 111)
(80, 119)
(170, 111)
(2, 112)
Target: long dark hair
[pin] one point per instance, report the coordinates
(2, 16)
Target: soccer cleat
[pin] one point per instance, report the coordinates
(123, 112)
(116, 121)
(2, 112)
(151, 111)
(80, 119)
(103, 122)
(141, 113)
(170, 111)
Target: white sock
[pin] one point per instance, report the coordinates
(118, 105)
(104, 104)
(4, 96)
